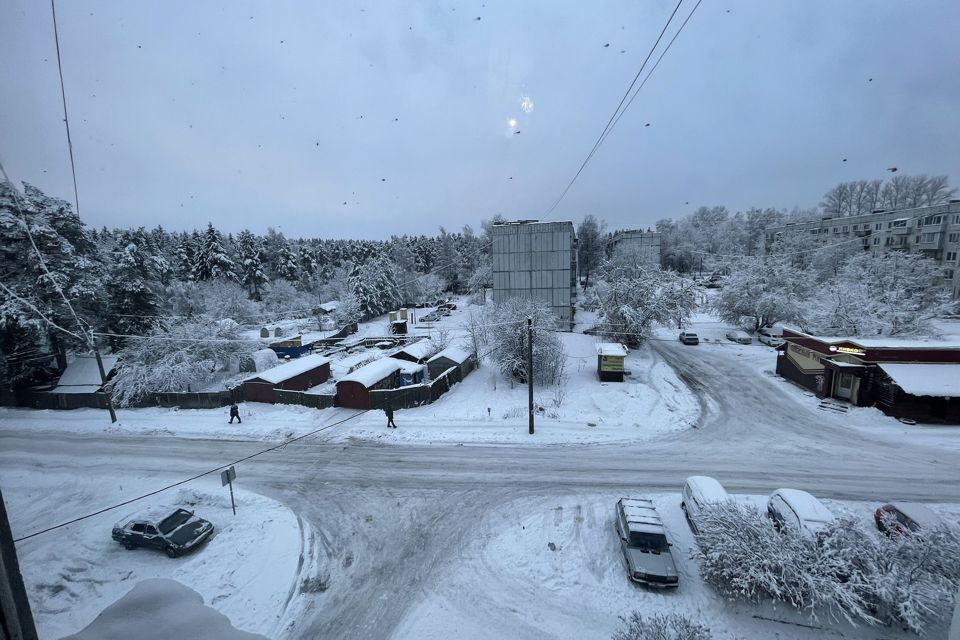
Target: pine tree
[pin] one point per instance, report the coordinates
(212, 261)
(251, 263)
(132, 300)
(184, 258)
(287, 267)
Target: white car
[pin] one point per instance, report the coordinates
(698, 493)
(770, 336)
(798, 511)
(740, 337)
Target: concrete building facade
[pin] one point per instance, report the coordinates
(538, 261)
(646, 244)
(933, 231)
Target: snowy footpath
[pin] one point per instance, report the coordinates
(249, 570)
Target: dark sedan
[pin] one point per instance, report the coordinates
(177, 534)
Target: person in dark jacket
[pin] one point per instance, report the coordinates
(235, 413)
(389, 411)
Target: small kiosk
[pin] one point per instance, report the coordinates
(610, 357)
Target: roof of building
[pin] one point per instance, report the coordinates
(885, 342)
(330, 307)
(641, 515)
(455, 354)
(410, 367)
(939, 380)
(611, 349)
(419, 350)
(82, 375)
(370, 374)
(291, 369)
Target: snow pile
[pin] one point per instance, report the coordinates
(160, 609)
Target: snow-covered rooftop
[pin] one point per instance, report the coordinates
(419, 350)
(370, 374)
(83, 376)
(291, 369)
(330, 307)
(880, 342)
(456, 354)
(611, 349)
(409, 367)
(941, 380)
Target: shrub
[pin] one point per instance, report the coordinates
(660, 626)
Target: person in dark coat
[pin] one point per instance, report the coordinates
(389, 411)
(235, 413)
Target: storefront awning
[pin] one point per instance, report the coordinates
(938, 380)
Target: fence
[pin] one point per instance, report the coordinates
(314, 400)
(421, 394)
(47, 400)
(199, 400)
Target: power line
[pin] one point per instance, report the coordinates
(63, 95)
(182, 482)
(652, 69)
(600, 139)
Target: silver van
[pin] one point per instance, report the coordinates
(698, 492)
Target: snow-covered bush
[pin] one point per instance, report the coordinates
(183, 357)
(846, 572)
(508, 333)
(659, 626)
(282, 299)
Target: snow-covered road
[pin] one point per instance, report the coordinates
(394, 520)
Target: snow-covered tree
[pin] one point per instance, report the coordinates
(133, 301)
(283, 300)
(286, 260)
(375, 287)
(660, 626)
(508, 333)
(183, 357)
(212, 261)
(250, 255)
(590, 247)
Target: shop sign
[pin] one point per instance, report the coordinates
(611, 363)
(856, 351)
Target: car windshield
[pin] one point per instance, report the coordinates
(649, 541)
(174, 520)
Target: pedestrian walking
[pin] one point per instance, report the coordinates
(235, 413)
(389, 411)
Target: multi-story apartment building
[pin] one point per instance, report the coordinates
(645, 243)
(537, 260)
(933, 231)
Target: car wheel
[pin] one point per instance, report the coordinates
(171, 552)
(129, 546)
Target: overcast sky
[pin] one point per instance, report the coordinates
(347, 119)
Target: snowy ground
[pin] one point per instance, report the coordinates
(581, 589)
(248, 570)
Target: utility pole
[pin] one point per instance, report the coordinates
(530, 372)
(103, 377)
(17, 619)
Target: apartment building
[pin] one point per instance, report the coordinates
(933, 231)
(644, 243)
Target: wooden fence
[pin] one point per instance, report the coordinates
(314, 400)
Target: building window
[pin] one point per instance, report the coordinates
(898, 224)
(846, 228)
(876, 241)
(878, 226)
(903, 241)
(956, 219)
(836, 229)
(928, 237)
(951, 256)
(918, 239)
(855, 227)
(954, 237)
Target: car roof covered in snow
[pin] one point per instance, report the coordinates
(456, 354)
(806, 506)
(419, 350)
(641, 515)
(611, 349)
(938, 380)
(82, 375)
(707, 489)
(370, 374)
(291, 369)
(919, 513)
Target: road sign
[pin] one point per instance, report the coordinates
(227, 476)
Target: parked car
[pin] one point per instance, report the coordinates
(770, 336)
(689, 337)
(175, 535)
(900, 517)
(644, 543)
(798, 511)
(448, 305)
(740, 337)
(698, 493)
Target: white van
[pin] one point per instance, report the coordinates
(698, 492)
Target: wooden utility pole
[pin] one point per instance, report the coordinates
(530, 372)
(103, 377)
(17, 619)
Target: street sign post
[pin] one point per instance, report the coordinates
(227, 476)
